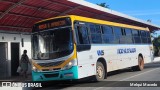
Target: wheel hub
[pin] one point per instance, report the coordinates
(99, 72)
(141, 63)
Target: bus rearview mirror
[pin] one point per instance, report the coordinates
(83, 47)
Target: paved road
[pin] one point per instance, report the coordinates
(150, 73)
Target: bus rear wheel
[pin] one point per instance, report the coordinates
(140, 65)
(100, 72)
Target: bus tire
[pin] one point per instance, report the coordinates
(100, 72)
(140, 65)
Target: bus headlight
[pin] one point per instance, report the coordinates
(35, 69)
(70, 64)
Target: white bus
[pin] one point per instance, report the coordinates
(74, 47)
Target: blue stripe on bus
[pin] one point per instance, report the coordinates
(69, 74)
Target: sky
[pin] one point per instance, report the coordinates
(141, 9)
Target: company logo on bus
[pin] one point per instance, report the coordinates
(126, 50)
(100, 52)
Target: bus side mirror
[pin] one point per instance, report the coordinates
(83, 47)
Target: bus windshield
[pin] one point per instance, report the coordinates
(52, 44)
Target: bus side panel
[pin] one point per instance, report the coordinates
(114, 58)
(88, 59)
(85, 67)
(126, 58)
(131, 59)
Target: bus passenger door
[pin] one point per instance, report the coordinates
(83, 51)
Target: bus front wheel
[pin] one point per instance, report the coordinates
(100, 72)
(140, 65)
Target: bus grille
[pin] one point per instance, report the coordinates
(51, 75)
(50, 64)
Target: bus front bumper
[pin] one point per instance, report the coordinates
(69, 74)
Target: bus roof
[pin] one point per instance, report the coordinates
(97, 21)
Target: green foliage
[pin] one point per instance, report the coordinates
(156, 43)
(103, 5)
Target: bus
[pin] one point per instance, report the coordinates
(74, 47)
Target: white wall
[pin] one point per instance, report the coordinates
(9, 38)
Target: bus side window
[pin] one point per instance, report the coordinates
(129, 38)
(123, 36)
(118, 34)
(95, 33)
(148, 37)
(107, 34)
(82, 34)
(144, 37)
(136, 36)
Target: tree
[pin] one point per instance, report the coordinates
(156, 44)
(103, 5)
(149, 20)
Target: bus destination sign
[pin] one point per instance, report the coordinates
(54, 23)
